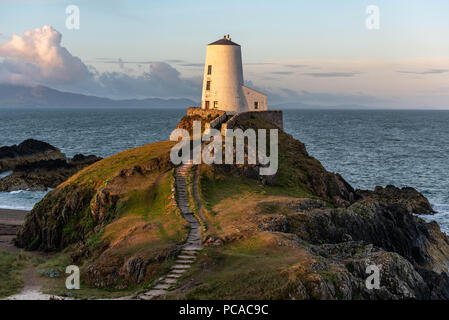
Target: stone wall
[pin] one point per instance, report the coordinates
(273, 116)
(195, 111)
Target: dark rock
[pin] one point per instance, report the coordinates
(82, 160)
(50, 273)
(27, 152)
(44, 174)
(52, 224)
(411, 199)
(391, 228)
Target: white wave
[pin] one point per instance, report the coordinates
(5, 174)
(21, 199)
(441, 217)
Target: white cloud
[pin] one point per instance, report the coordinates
(38, 57)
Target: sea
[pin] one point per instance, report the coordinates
(367, 147)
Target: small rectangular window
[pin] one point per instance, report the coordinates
(207, 104)
(215, 104)
(256, 105)
(208, 85)
(209, 70)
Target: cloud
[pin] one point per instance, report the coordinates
(121, 63)
(295, 66)
(193, 65)
(38, 57)
(259, 63)
(174, 61)
(120, 60)
(332, 99)
(430, 71)
(332, 74)
(282, 72)
(161, 81)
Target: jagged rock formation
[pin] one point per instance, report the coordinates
(44, 174)
(414, 253)
(411, 199)
(28, 151)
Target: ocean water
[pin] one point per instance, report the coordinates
(376, 148)
(369, 147)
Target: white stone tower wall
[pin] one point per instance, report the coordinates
(226, 78)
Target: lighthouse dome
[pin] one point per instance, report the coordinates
(224, 42)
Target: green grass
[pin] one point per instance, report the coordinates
(136, 204)
(241, 272)
(219, 186)
(11, 267)
(162, 213)
(56, 286)
(58, 261)
(101, 171)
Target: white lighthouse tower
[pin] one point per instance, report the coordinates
(223, 87)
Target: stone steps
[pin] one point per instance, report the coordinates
(192, 246)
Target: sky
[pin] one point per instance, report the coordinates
(312, 52)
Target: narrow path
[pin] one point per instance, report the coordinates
(190, 248)
(32, 289)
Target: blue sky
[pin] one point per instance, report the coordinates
(323, 39)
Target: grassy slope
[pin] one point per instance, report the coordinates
(106, 169)
(11, 280)
(251, 264)
(148, 225)
(147, 222)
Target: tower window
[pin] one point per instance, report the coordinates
(256, 105)
(209, 70)
(215, 104)
(208, 85)
(207, 104)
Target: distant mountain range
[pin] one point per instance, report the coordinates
(300, 105)
(41, 96)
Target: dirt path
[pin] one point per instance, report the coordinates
(10, 222)
(32, 289)
(192, 246)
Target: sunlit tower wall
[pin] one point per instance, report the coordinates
(223, 77)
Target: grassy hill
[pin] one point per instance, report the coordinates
(302, 234)
(113, 217)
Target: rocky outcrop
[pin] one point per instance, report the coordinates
(44, 174)
(408, 197)
(28, 151)
(342, 274)
(54, 222)
(413, 254)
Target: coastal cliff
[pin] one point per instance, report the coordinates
(303, 233)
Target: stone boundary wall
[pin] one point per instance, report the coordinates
(218, 120)
(273, 116)
(195, 111)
